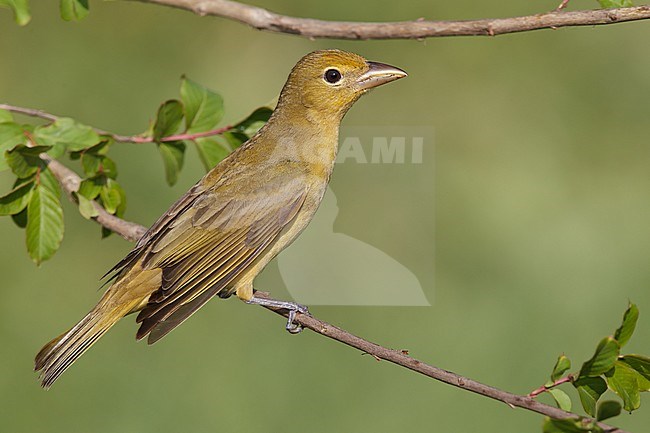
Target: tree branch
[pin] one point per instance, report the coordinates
(69, 182)
(117, 137)
(263, 19)
(544, 388)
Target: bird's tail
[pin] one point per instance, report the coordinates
(59, 354)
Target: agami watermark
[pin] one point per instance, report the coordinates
(324, 267)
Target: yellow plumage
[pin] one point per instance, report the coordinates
(218, 237)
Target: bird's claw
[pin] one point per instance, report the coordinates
(292, 307)
(292, 327)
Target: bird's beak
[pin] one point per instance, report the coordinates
(378, 74)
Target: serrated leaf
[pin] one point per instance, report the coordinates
(603, 359)
(44, 230)
(250, 125)
(622, 379)
(11, 134)
(608, 409)
(17, 199)
(172, 153)
(608, 4)
(86, 207)
(5, 116)
(65, 135)
(561, 366)
(623, 334)
(210, 151)
(20, 9)
(203, 107)
(561, 398)
(589, 390)
(25, 161)
(168, 119)
(74, 10)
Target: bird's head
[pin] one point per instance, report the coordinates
(328, 82)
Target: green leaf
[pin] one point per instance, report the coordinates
(25, 161)
(589, 390)
(569, 426)
(561, 398)
(108, 167)
(235, 138)
(90, 163)
(250, 125)
(622, 379)
(111, 197)
(65, 134)
(74, 10)
(626, 330)
(86, 207)
(210, 151)
(91, 187)
(168, 119)
(100, 148)
(638, 362)
(172, 153)
(121, 208)
(17, 199)
(203, 107)
(11, 134)
(608, 409)
(5, 116)
(561, 366)
(20, 9)
(603, 360)
(44, 218)
(20, 219)
(607, 4)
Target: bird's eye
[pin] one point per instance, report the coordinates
(332, 76)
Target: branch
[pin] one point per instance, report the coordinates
(263, 19)
(121, 138)
(69, 181)
(544, 388)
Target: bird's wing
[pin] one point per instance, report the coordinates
(158, 229)
(204, 247)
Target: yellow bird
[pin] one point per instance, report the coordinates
(220, 235)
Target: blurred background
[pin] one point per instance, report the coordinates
(526, 223)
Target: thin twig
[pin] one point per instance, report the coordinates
(534, 393)
(562, 5)
(69, 181)
(117, 137)
(29, 112)
(263, 19)
(404, 360)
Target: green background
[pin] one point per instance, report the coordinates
(527, 223)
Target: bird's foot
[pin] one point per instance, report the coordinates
(292, 307)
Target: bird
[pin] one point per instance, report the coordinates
(220, 234)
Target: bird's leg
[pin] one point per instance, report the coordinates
(292, 307)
